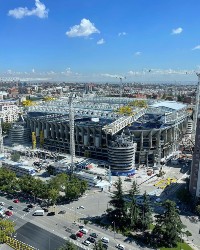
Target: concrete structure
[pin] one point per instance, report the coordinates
(157, 130)
(9, 111)
(19, 134)
(195, 169)
(121, 155)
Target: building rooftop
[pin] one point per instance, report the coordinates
(169, 104)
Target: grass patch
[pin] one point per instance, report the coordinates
(183, 246)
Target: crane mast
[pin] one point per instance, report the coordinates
(71, 124)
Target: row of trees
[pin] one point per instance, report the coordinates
(128, 215)
(62, 185)
(70, 246)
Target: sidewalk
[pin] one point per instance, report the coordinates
(5, 247)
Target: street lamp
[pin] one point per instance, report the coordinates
(114, 228)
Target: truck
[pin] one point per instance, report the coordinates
(39, 212)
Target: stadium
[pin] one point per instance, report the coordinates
(107, 128)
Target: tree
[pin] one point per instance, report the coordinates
(146, 213)
(133, 208)
(117, 201)
(8, 180)
(6, 229)
(6, 127)
(198, 209)
(98, 246)
(53, 195)
(168, 226)
(15, 157)
(68, 246)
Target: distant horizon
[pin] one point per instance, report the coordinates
(100, 41)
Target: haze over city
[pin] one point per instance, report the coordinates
(78, 40)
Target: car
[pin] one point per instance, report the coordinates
(120, 246)
(79, 234)
(26, 209)
(92, 240)
(62, 212)
(86, 243)
(94, 235)
(73, 236)
(51, 214)
(83, 230)
(16, 201)
(9, 213)
(46, 209)
(10, 207)
(80, 207)
(105, 246)
(2, 203)
(105, 240)
(30, 206)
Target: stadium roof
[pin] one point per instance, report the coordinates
(169, 104)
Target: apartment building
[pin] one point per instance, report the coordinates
(9, 111)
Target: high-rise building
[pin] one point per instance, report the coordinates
(195, 168)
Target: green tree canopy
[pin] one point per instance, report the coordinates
(168, 226)
(68, 246)
(6, 229)
(15, 157)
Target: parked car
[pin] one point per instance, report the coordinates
(30, 206)
(105, 239)
(46, 209)
(26, 209)
(51, 214)
(81, 207)
(86, 243)
(2, 203)
(10, 207)
(9, 213)
(105, 246)
(62, 212)
(121, 247)
(79, 234)
(16, 201)
(92, 240)
(73, 236)
(94, 235)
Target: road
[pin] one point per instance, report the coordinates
(38, 231)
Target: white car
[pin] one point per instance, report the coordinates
(105, 240)
(2, 203)
(121, 247)
(81, 207)
(86, 243)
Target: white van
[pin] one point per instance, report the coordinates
(105, 240)
(83, 230)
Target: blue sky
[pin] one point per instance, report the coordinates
(99, 40)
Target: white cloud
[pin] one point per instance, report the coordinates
(101, 41)
(138, 53)
(40, 11)
(85, 28)
(177, 31)
(122, 33)
(110, 75)
(196, 47)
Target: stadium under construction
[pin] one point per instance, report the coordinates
(145, 134)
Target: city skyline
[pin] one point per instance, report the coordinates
(99, 40)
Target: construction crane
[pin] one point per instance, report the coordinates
(71, 125)
(121, 85)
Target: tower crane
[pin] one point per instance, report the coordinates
(71, 125)
(121, 85)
